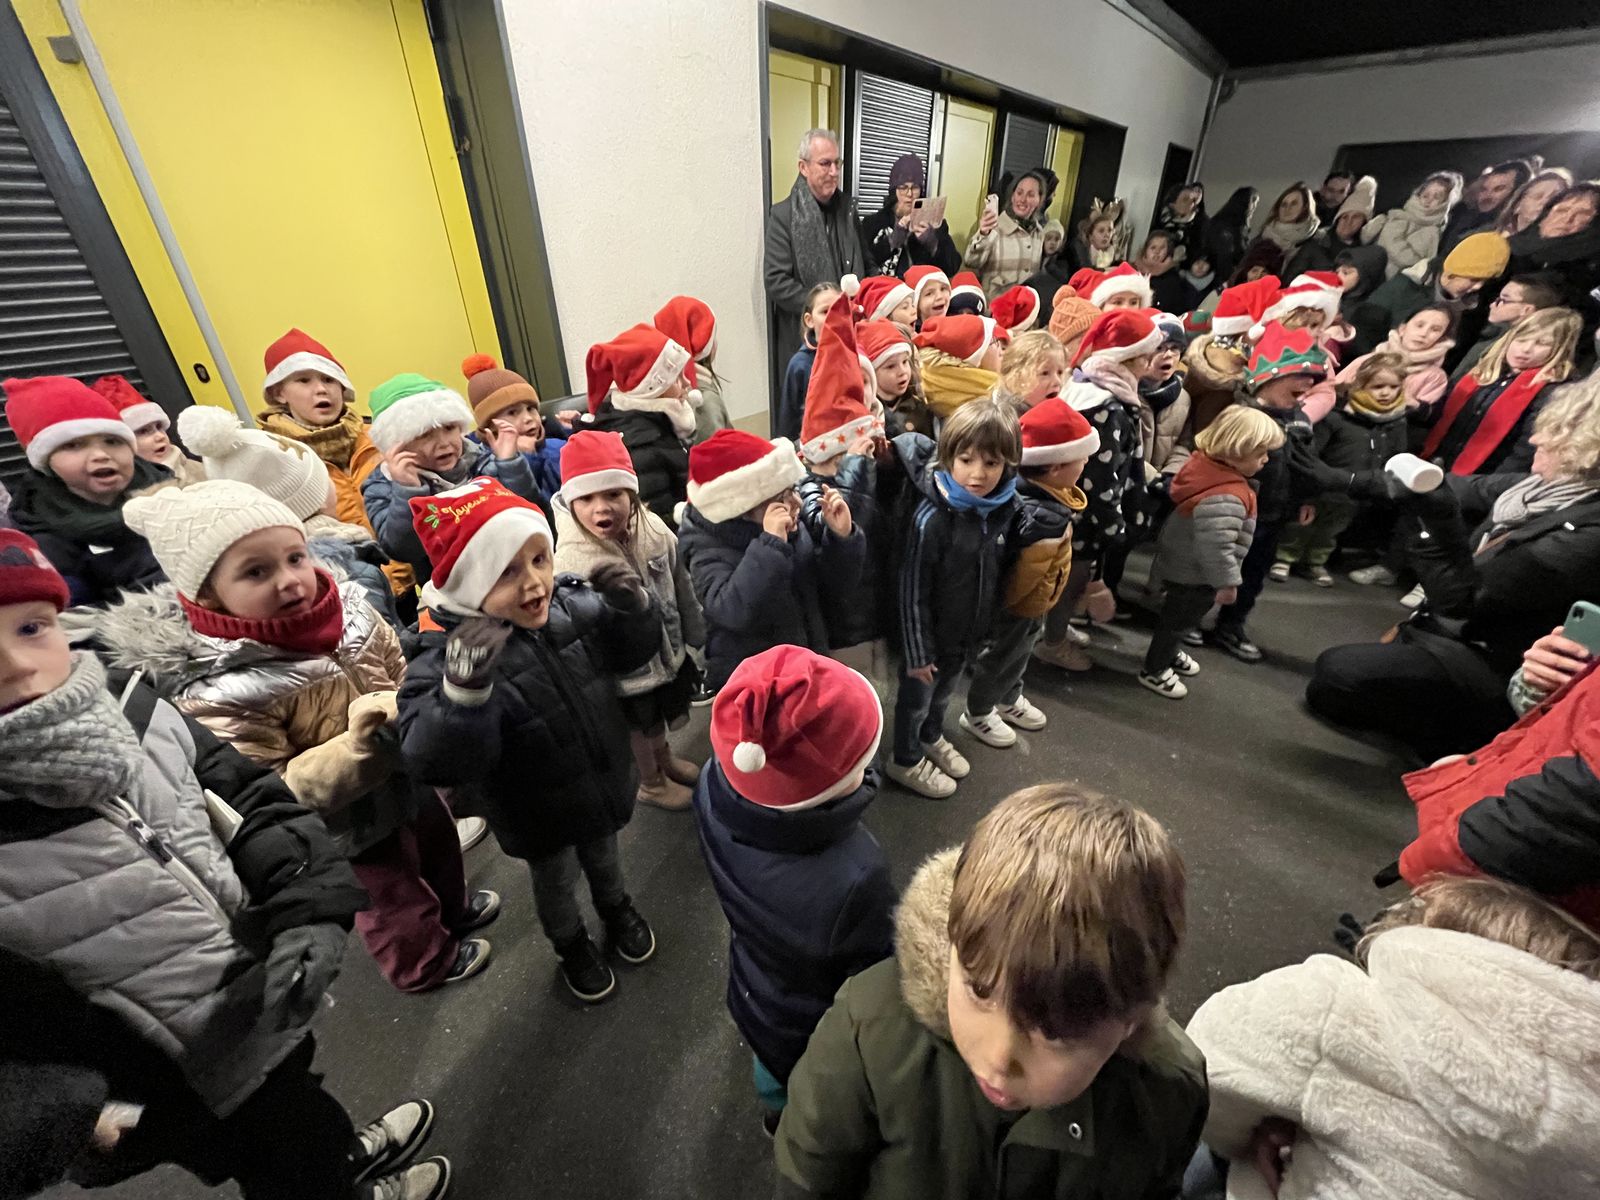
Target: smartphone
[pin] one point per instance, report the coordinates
(991, 204)
(1583, 626)
(928, 209)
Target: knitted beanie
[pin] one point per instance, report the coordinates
(470, 534)
(1072, 315)
(190, 528)
(408, 406)
(286, 470)
(26, 574)
(48, 411)
(491, 389)
(136, 411)
(1363, 199)
(1479, 256)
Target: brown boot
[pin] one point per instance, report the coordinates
(679, 770)
(654, 786)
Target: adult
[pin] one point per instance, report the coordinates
(1008, 245)
(1564, 245)
(1158, 260)
(1501, 558)
(1453, 280)
(895, 239)
(1330, 198)
(1532, 198)
(1183, 218)
(1485, 200)
(1410, 234)
(812, 233)
(1228, 231)
(1292, 220)
(1320, 252)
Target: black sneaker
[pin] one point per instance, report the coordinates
(630, 934)
(392, 1140)
(586, 974)
(482, 908)
(472, 956)
(1236, 643)
(701, 696)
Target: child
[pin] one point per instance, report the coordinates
(950, 580)
(1365, 432)
(1421, 343)
(1032, 368)
(790, 410)
(967, 297)
(888, 354)
(763, 579)
(931, 288)
(1484, 425)
(1124, 286)
(1216, 360)
(501, 396)
(638, 387)
(881, 298)
(693, 325)
(82, 468)
(149, 422)
(1311, 301)
(1347, 1071)
(514, 692)
(804, 885)
(1520, 296)
(1056, 442)
(298, 673)
(1410, 234)
(1204, 541)
(1017, 309)
(420, 426)
(1164, 403)
(1016, 1044)
(113, 878)
(960, 359)
(599, 519)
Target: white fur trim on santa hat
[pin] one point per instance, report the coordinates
(662, 374)
(850, 285)
(412, 416)
(1116, 285)
(1148, 344)
(304, 360)
(1061, 452)
(139, 416)
(836, 441)
(894, 297)
(966, 289)
(676, 409)
(930, 277)
(1231, 326)
(482, 560)
(736, 492)
(52, 437)
(989, 327)
(1302, 293)
(580, 486)
(900, 347)
(841, 785)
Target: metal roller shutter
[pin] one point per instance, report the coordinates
(53, 318)
(892, 119)
(1026, 145)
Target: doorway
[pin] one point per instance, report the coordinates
(1174, 172)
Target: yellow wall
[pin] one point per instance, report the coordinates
(963, 177)
(802, 94)
(303, 157)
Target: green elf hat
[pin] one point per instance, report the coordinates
(1281, 352)
(409, 405)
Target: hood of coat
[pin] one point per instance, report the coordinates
(922, 942)
(334, 530)
(1204, 476)
(1212, 365)
(693, 526)
(1421, 213)
(1372, 262)
(1084, 396)
(805, 831)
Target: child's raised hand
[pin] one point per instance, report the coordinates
(568, 416)
(529, 443)
(402, 464)
(1227, 595)
(836, 512)
(777, 520)
(862, 445)
(621, 586)
(470, 652)
(502, 439)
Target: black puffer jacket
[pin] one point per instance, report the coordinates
(953, 568)
(1290, 477)
(759, 591)
(545, 758)
(660, 459)
(1356, 441)
(90, 544)
(873, 494)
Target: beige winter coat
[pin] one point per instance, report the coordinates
(1006, 255)
(1160, 433)
(1408, 235)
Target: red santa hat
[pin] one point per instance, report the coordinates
(792, 729)
(691, 324)
(299, 351)
(965, 283)
(595, 460)
(918, 278)
(138, 412)
(48, 411)
(1054, 432)
(1117, 335)
(1241, 306)
(879, 341)
(836, 402)
(1320, 290)
(470, 534)
(1084, 279)
(733, 471)
(1016, 308)
(876, 296)
(965, 337)
(1122, 279)
(635, 368)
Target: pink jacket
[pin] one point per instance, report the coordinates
(1319, 401)
(1425, 382)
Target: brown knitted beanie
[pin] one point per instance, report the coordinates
(491, 388)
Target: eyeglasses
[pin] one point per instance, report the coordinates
(907, 189)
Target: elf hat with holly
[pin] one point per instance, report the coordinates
(1280, 352)
(732, 471)
(918, 279)
(48, 411)
(1117, 335)
(1054, 432)
(491, 388)
(1017, 308)
(836, 404)
(635, 368)
(138, 412)
(299, 351)
(876, 296)
(596, 460)
(1242, 305)
(409, 405)
(1320, 290)
(879, 341)
(964, 337)
(470, 534)
(1122, 279)
(792, 730)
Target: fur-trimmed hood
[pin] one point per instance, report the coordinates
(922, 941)
(1204, 369)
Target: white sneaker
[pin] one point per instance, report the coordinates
(391, 1141)
(989, 729)
(1165, 684)
(471, 831)
(947, 758)
(1063, 654)
(1022, 714)
(426, 1180)
(1278, 572)
(1078, 635)
(924, 778)
(1183, 664)
(1414, 598)
(1377, 573)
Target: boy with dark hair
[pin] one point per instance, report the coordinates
(1522, 295)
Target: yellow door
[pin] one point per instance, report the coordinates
(1064, 161)
(302, 156)
(963, 162)
(802, 94)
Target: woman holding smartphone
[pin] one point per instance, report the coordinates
(1010, 240)
(897, 237)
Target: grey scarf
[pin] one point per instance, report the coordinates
(815, 256)
(1532, 497)
(73, 745)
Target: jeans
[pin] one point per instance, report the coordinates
(555, 882)
(1315, 543)
(1186, 603)
(997, 677)
(1059, 617)
(1253, 571)
(919, 710)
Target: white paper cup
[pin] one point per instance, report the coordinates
(1417, 474)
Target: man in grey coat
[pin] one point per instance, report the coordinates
(813, 235)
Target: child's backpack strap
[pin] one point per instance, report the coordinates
(138, 704)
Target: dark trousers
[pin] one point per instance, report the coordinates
(1186, 603)
(997, 677)
(419, 897)
(1403, 690)
(555, 887)
(919, 710)
(1257, 562)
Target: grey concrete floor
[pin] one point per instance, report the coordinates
(648, 1096)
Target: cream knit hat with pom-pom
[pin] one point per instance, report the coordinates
(190, 528)
(282, 468)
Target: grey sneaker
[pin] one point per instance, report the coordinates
(426, 1180)
(392, 1139)
(1377, 573)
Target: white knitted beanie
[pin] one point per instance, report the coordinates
(190, 528)
(279, 466)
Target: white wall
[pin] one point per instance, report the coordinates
(1275, 131)
(644, 129)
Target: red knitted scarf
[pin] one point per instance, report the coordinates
(316, 630)
(1496, 425)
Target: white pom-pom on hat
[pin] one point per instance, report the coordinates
(749, 757)
(209, 431)
(695, 397)
(850, 285)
